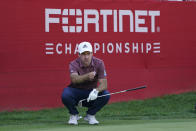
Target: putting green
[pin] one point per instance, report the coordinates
(109, 125)
(139, 125)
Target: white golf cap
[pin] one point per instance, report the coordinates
(85, 46)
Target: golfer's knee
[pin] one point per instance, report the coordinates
(106, 98)
(66, 97)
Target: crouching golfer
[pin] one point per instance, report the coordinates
(88, 80)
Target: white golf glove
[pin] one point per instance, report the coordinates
(93, 95)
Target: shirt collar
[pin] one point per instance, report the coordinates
(91, 64)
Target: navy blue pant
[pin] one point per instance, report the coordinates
(71, 97)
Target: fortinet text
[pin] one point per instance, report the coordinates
(137, 20)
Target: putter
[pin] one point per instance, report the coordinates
(137, 88)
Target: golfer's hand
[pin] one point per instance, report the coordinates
(93, 95)
(91, 75)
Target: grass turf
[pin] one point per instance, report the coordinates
(168, 111)
(125, 125)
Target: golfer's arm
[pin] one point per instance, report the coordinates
(75, 78)
(102, 85)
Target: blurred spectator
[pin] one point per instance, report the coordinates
(179, 0)
(175, 0)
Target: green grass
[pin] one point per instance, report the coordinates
(178, 109)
